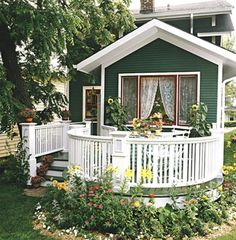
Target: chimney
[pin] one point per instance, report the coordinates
(147, 6)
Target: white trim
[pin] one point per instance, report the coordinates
(211, 34)
(176, 74)
(84, 91)
(213, 21)
(219, 98)
(191, 23)
(102, 95)
(155, 29)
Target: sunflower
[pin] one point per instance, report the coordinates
(110, 101)
(195, 107)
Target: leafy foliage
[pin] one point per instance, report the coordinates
(82, 204)
(198, 120)
(116, 114)
(36, 31)
(16, 167)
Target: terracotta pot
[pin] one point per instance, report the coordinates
(29, 120)
(36, 185)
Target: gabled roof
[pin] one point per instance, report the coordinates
(151, 31)
(184, 10)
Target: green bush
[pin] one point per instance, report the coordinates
(80, 204)
(15, 168)
(230, 124)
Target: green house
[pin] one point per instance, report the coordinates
(156, 65)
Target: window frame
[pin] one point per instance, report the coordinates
(177, 76)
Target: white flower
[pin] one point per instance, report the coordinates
(44, 226)
(68, 231)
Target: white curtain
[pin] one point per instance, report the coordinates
(148, 92)
(188, 96)
(167, 90)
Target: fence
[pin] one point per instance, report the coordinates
(171, 161)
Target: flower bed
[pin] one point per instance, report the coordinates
(80, 206)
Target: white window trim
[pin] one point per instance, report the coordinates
(161, 74)
(84, 95)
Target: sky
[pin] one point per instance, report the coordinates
(136, 5)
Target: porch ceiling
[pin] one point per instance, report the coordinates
(153, 30)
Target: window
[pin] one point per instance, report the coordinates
(171, 95)
(91, 102)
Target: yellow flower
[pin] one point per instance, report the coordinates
(195, 107)
(137, 204)
(234, 164)
(54, 183)
(111, 169)
(229, 144)
(204, 197)
(234, 156)
(226, 172)
(110, 101)
(220, 188)
(146, 173)
(129, 173)
(134, 123)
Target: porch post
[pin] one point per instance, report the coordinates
(120, 152)
(28, 137)
(219, 133)
(65, 139)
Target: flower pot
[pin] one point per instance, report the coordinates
(29, 120)
(36, 185)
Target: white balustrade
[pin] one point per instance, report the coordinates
(172, 161)
(46, 139)
(92, 153)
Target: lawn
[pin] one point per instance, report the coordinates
(16, 210)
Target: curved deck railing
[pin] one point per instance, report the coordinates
(172, 161)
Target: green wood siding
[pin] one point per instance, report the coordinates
(160, 56)
(76, 92)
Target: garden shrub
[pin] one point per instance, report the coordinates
(230, 124)
(84, 205)
(16, 167)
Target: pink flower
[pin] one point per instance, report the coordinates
(82, 195)
(100, 206)
(86, 222)
(91, 217)
(110, 190)
(89, 204)
(95, 205)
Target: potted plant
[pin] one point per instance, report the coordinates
(36, 181)
(65, 114)
(28, 114)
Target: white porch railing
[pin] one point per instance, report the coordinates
(46, 139)
(172, 161)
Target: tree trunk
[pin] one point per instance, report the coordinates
(13, 72)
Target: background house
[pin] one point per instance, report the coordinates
(177, 51)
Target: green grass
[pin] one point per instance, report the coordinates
(16, 213)
(228, 152)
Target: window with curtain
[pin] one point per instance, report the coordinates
(129, 96)
(147, 94)
(187, 96)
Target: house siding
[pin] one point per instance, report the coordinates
(76, 92)
(7, 145)
(161, 57)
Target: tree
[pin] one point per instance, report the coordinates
(32, 31)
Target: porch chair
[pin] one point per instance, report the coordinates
(181, 131)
